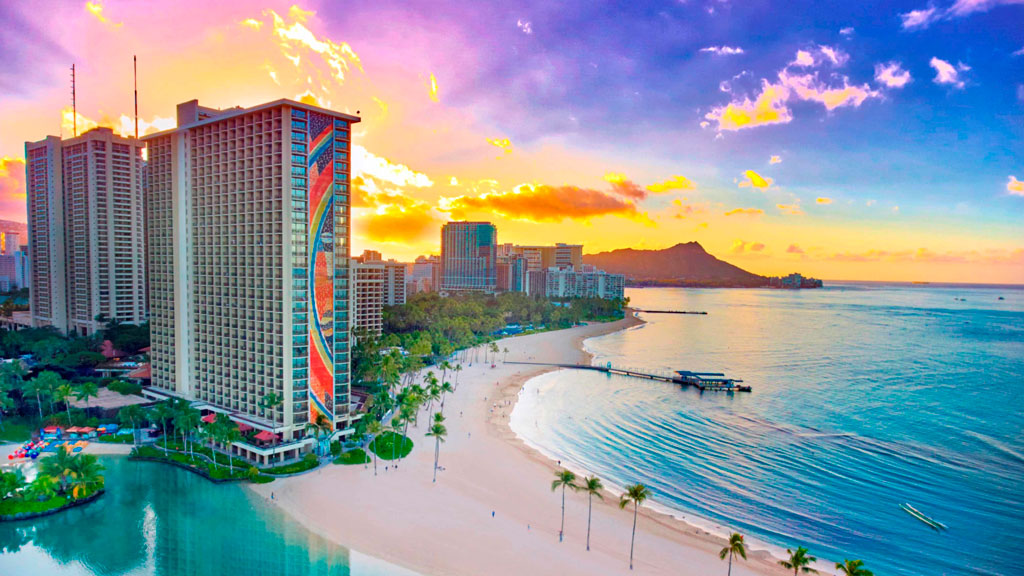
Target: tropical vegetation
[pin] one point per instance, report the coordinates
(735, 547)
(62, 479)
(635, 494)
(799, 561)
(563, 479)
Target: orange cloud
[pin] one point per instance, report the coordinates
(674, 183)
(685, 210)
(12, 189)
(824, 200)
(768, 108)
(756, 180)
(992, 256)
(742, 247)
(366, 163)
(808, 87)
(543, 203)
(433, 88)
(775, 160)
(791, 209)
(624, 186)
(744, 212)
(398, 225)
(123, 125)
(1015, 187)
(794, 249)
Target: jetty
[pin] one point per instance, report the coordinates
(703, 381)
(698, 312)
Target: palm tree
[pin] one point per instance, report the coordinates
(438, 431)
(85, 470)
(374, 428)
(564, 479)
(43, 385)
(270, 401)
(396, 432)
(58, 466)
(445, 366)
(735, 547)
(186, 420)
(229, 437)
(12, 377)
(504, 357)
(211, 433)
(42, 488)
(854, 568)
(456, 370)
(494, 352)
(164, 413)
(63, 393)
(11, 483)
(320, 427)
(636, 494)
(408, 412)
(86, 390)
(799, 561)
(592, 486)
(445, 388)
(433, 394)
(131, 414)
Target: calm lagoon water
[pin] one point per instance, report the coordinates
(162, 521)
(865, 397)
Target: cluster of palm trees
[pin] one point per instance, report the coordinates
(48, 388)
(635, 494)
(799, 560)
(72, 475)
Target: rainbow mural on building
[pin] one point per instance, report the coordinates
(321, 266)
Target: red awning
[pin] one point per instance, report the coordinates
(209, 418)
(144, 372)
(266, 436)
(51, 430)
(86, 429)
(72, 430)
(243, 427)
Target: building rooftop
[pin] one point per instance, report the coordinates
(209, 115)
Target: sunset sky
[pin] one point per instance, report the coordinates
(851, 140)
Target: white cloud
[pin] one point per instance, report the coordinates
(965, 7)
(723, 50)
(775, 160)
(803, 58)
(920, 18)
(838, 57)
(1019, 52)
(946, 73)
(525, 26)
(892, 74)
(848, 31)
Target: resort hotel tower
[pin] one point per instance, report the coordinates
(248, 215)
(86, 231)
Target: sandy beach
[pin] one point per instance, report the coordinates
(492, 510)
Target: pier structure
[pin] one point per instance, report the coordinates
(703, 381)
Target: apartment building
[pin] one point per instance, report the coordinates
(249, 236)
(86, 231)
(368, 279)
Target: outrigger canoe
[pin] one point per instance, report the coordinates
(938, 526)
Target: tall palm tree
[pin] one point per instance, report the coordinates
(564, 479)
(85, 391)
(396, 431)
(433, 395)
(736, 547)
(504, 356)
(59, 466)
(131, 414)
(408, 412)
(635, 493)
(445, 366)
(456, 370)
(438, 431)
(63, 393)
(445, 388)
(799, 561)
(229, 435)
(592, 486)
(164, 413)
(42, 386)
(210, 433)
(321, 428)
(187, 419)
(374, 428)
(853, 568)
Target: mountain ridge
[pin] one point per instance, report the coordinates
(685, 264)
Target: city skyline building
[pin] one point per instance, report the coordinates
(367, 296)
(468, 257)
(86, 231)
(249, 239)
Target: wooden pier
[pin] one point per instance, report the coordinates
(697, 312)
(703, 381)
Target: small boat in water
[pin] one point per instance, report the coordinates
(935, 524)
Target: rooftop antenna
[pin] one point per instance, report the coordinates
(74, 106)
(135, 67)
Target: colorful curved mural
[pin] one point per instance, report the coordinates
(321, 266)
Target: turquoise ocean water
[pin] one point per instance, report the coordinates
(865, 396)
(156, 520)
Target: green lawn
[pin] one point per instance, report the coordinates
(10, 506)
(216, 472)
(352, 457)
(390, 446)
(115, 439)
(17, 430)
(294, 467)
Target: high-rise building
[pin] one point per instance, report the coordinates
(249, 253)
(569, 255)
(87, 230)
(512, 274)
(468, 257)
(394, 283)
(367, 296)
